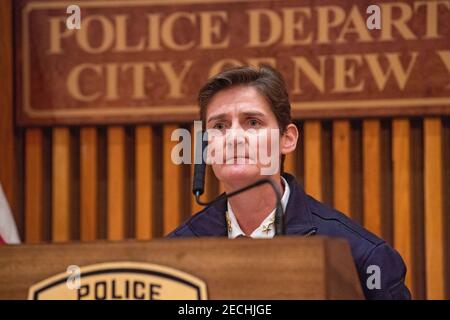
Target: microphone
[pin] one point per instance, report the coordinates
(198, 185)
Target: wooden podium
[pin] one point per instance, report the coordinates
(208, 268)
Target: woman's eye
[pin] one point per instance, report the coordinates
(254, 123)
(219, 126)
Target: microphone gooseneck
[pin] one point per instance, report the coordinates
(279, 218)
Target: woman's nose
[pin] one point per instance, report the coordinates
(235, 136)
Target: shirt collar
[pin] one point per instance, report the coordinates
(266, 229)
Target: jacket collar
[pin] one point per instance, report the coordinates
(297, 218)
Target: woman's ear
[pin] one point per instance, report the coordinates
(288, 141)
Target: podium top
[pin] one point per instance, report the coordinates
(279, 268)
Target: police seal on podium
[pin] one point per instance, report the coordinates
(120, 281)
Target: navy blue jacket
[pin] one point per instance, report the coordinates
(306, 216)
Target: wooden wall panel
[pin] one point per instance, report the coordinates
(313, 156)
(144, 182)
(172, 179)
(372, 176)
(434, 210)
(88, 183)
(61, 182)
(8, 167)
(290, 163)
(341, 166)
(403, 237)
(116, 183)
(34, 186)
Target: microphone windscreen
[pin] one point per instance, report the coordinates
(198, 181)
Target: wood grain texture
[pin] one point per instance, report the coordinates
(434, 211)
(172, 183)
(341, 166)
(61, 182)
(116, 183)
(34, 192)
(8, 176)
(372, 176)
(313, 158)
(88, 183)
(290, 163)
(305, 268)
(144, 182)
(403, 237)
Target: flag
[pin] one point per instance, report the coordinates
(8, 229)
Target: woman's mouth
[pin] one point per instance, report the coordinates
(235, 159)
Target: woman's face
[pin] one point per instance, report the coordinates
(245, 141)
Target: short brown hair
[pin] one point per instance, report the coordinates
(269, 83)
